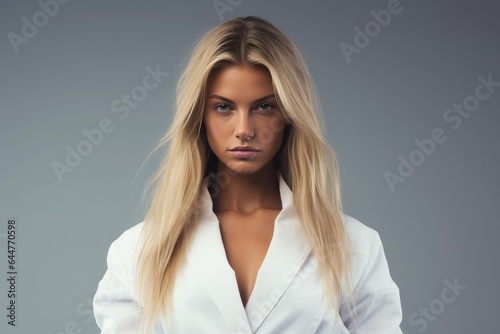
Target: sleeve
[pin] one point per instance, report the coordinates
(377, 307)
(115, 310)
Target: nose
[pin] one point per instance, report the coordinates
(244, 126)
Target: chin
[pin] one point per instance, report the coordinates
(242, 169)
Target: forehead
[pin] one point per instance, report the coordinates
(237, 79)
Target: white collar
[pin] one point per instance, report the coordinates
(286, 196)
(287, 252)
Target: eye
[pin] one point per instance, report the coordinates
(265, 107)
(222, 108)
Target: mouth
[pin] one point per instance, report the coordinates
(244, 149)
(244, 152)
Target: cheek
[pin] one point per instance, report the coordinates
(209, 128)
(272, 134)
(211, 139)
(216, 136)
(278, 141)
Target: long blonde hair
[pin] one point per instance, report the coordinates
(306, 161)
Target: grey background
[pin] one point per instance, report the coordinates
(440, 224)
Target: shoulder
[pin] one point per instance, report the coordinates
(376, 296)
(370, 269)
(114, 302)
(126, 245)
(362, 237)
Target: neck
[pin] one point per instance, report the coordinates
(246, 193)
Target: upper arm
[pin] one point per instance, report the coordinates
(377, 307)
(115, 309)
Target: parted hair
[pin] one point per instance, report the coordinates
(306, 161)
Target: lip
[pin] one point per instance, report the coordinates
(244, 152)
(244, 149)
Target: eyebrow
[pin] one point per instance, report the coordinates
(230, 101)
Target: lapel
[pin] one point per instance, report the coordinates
(287, 252)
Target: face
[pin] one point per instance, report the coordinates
(243, 122)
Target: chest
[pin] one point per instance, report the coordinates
(290, 301)
(246, 240)
(287, 295)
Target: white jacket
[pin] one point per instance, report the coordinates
(288, 295)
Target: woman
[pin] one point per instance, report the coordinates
(245, 231)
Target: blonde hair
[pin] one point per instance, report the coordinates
(306, 161)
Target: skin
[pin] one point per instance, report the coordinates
(249, 203)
